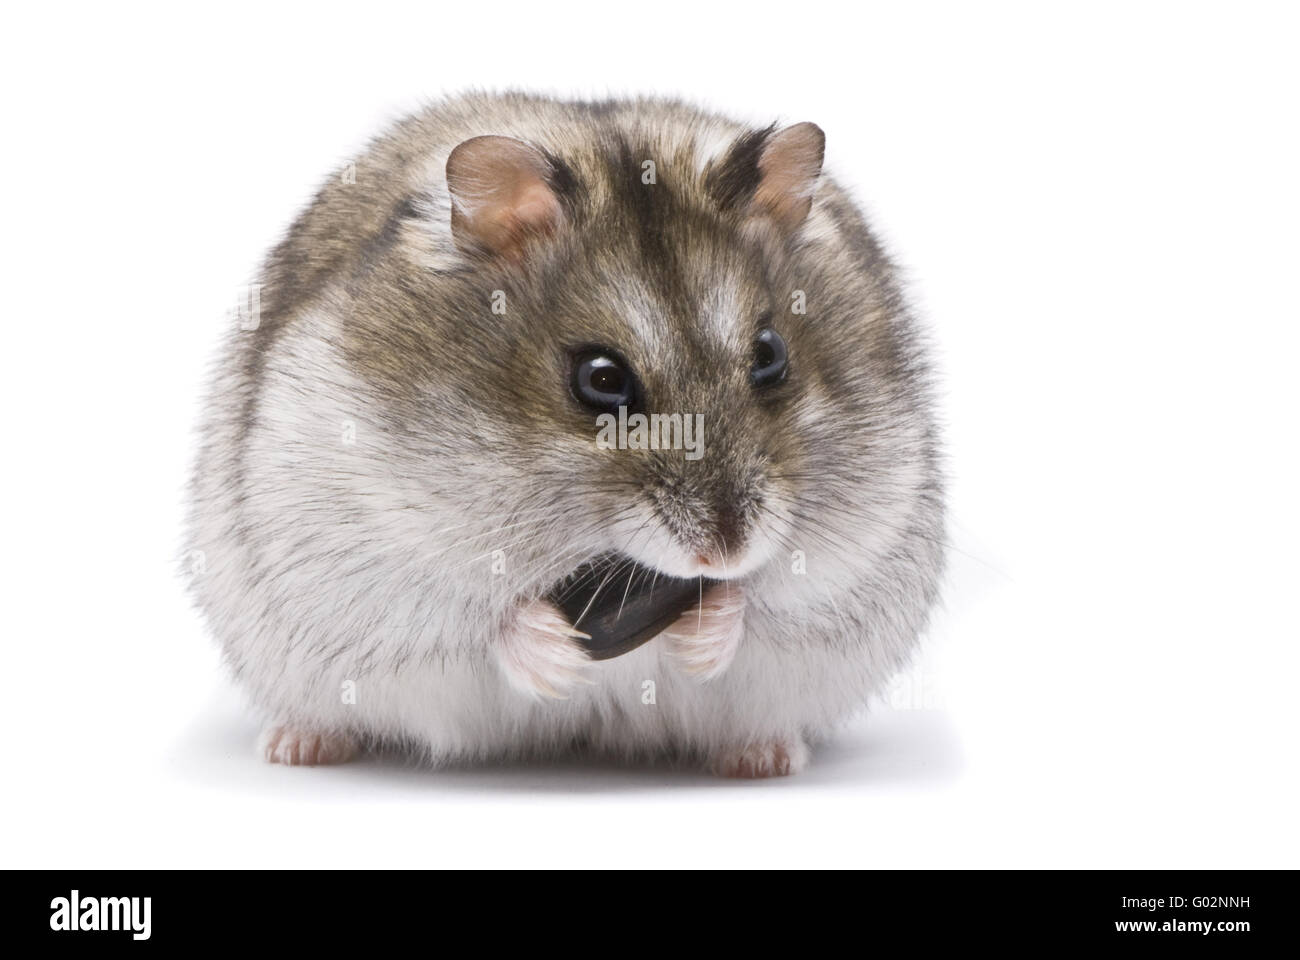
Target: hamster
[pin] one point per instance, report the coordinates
(400, 457)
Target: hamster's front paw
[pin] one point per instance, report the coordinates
(774, 758)
(295, 746)
(539, 652)
(705, 638)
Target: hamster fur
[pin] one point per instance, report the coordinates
(393, 470)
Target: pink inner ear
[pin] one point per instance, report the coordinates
(504, 227)
(536, 207)
(790, 165)
(500, 195)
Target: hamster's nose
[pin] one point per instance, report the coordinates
(709, 566)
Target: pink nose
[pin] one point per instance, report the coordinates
(703, 560)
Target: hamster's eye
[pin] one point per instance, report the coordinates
(770, 359)
(602, 381)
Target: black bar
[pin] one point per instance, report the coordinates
(1222, 910)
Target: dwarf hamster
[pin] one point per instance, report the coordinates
(401, 456)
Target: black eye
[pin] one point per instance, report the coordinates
(770, 359)
(601, 381)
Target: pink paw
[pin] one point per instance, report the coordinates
(296, 747)
(539, 652)
(704, 640)
(777, 758)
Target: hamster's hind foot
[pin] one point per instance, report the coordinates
(294, 746)
(774, 758)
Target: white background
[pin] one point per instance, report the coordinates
(1097, 209)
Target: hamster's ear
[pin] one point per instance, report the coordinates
(773, 174)
(503, 195)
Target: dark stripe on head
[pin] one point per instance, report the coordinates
(734, 180)
(562, 181)
(648, 206)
